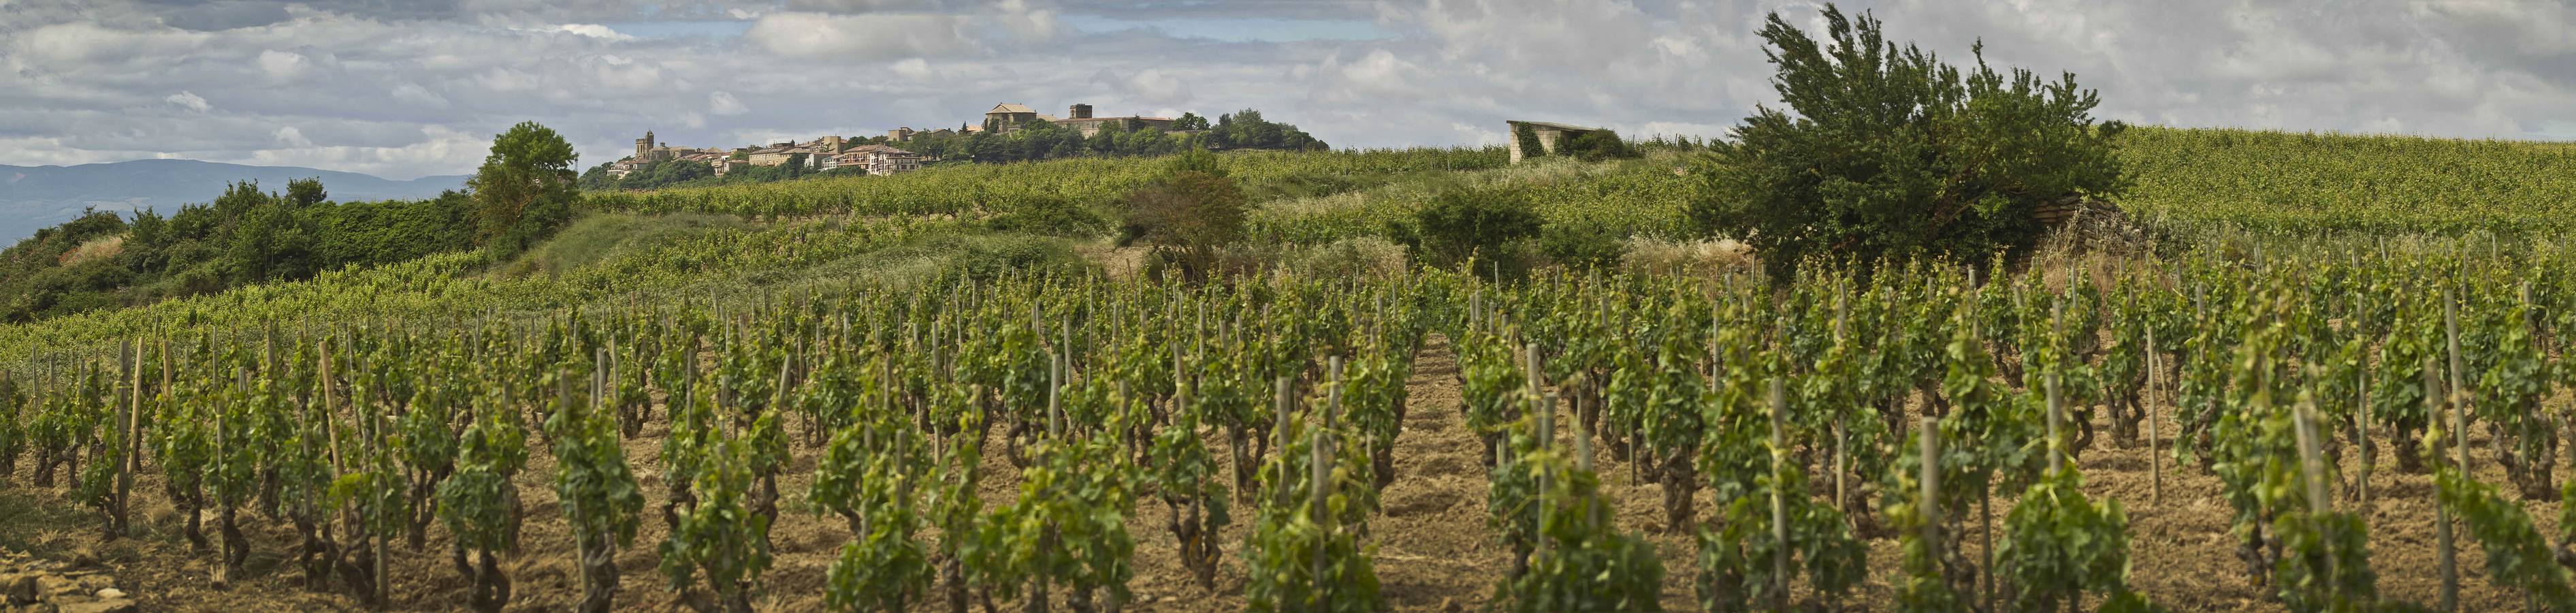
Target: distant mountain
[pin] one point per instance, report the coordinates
(36, 197)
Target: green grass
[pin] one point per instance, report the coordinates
(598, 237)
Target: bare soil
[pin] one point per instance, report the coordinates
(1434, 548)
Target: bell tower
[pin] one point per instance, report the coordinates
(644, 146)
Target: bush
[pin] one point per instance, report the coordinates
(1954, 172)
(1600, 145)
(1583, 245)
(1187, 217)
(1462, 224)
(1051, 217)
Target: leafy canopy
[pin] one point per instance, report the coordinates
(525, 188)
(1892, 154)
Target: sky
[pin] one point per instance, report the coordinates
(406, 88)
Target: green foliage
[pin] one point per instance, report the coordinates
(719, 535)
(1572, 555)
(1893, 156)
(1600, 145)
(1583, 245)
(1289, 533)
(1463, 224)
(478, 504)
(2325, 565)
(1527, 137)
(1189, 215)
(2059, 546)
(525, 189)
(867, 476)
(2517, 554)
(652, 175)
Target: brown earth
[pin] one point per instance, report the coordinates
(1434, 549)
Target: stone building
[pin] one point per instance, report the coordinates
(1551, 136)
(1079, 117)
(1009, 116)
(877, 159)
(649, 151)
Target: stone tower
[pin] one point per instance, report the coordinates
(644, 146)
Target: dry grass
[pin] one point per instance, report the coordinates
(96, 248)
(1700, 258)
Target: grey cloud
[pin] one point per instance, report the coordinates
(413, 88)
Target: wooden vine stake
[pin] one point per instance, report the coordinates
(2361, 424)
(2459, 373)
(2445, 559)
(2313, 468)
(1779, 500)
(2056, 445)
(1929, 505)
(2155, 465)
(1543, 409)
(1321, 464)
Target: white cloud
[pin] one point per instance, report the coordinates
(859, 38)
(1152, 85)
(913, 68)
(723, 103)
(189, 100)
(282, 65)
(594, 31)
(293, 138)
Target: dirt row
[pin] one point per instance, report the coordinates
(1435, 550)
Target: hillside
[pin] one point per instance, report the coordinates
(2189, 183)
(925, 308)
(33, 197)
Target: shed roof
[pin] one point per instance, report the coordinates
(1009, 107)
(1559, 126)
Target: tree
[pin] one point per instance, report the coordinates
(1470, 223)
(524, 189)
(1599, 145)
(1194, 209)
(305, 192)
(1190, 121)
(1893, 155)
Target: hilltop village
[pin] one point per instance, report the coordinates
(1006, 132)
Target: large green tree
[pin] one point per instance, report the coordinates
(525, 188)
(1893, 155)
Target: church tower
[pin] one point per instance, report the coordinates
(644, 146)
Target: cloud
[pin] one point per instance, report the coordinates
(913, 68)
(860, 37)
(413, 88)
(282, 65)
(189, 100)
(723, 103)
(594, 31)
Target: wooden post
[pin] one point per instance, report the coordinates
(1929, 505)
(1543, 410)
(1779, 499)
(1055, 392)
(2314, 469)
(2445, 559)
(2361, 427)
(2056, 445)
(2155, 465)
(2459, 377)
(1320, 464)
(1279, 431)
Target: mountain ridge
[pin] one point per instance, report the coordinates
(36, 197)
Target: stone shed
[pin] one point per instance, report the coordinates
(1551, 136)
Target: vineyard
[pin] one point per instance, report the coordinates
(913, 393)
(1916, 439)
